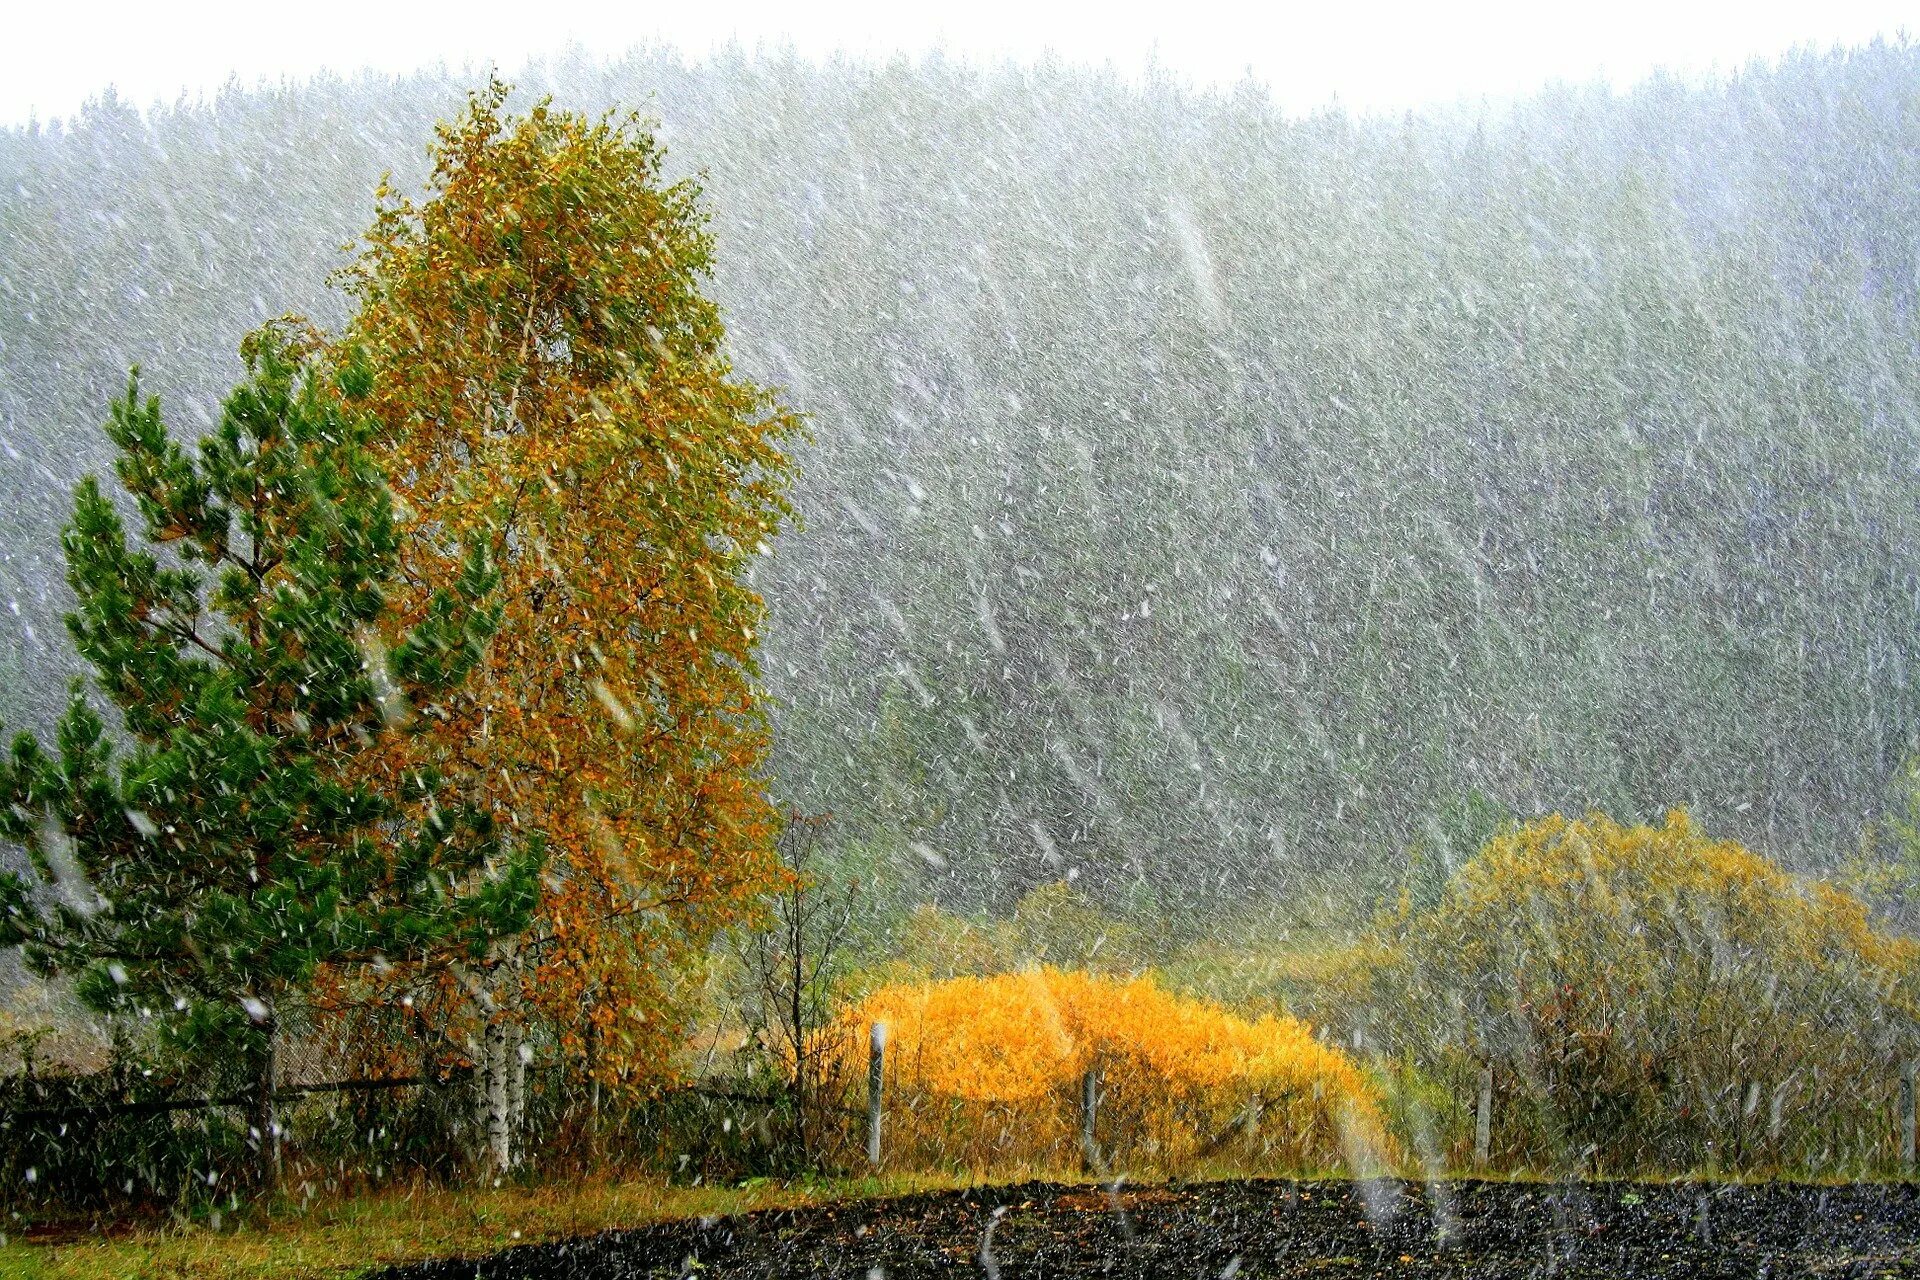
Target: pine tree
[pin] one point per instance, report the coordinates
(207, 872)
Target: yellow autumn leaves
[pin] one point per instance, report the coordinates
(988, 1069)
(1648, 997)
(1651, 997)
(551, 382)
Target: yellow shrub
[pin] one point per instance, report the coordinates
(1652, 997)
(986, 1070)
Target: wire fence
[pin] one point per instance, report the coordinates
(130, 1133)
(134, 1134)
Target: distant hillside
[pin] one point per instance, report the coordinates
(1198, 495)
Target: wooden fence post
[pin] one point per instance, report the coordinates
(1483, 1118)
(1089, 1108)
(1907, 1072)
(876, 1075)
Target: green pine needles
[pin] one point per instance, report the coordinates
(207, 867)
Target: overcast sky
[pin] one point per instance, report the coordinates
(1371, 54)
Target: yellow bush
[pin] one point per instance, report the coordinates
(986, 1071)
(1651, 997)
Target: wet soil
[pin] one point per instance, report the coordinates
(1266, 1229)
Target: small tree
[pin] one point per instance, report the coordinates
(793, 969)
(208, 873)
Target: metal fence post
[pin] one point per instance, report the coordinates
(876, 1074)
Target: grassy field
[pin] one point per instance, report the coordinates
(349, 1238)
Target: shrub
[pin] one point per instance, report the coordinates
(987, 1070)
(1052, 924)
(1649, 997)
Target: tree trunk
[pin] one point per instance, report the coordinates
(517, 1058)
(496, 1096)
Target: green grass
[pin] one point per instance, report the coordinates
(331, 1241)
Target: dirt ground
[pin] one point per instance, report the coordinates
(1268, 1228)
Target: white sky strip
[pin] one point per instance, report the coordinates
(1369, 55)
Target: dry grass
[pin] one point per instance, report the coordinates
(351, 1237)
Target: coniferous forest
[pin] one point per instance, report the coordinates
(1193, 495)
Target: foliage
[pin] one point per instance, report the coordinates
(1054, 924)
(1051, 924)
(932, 944)
(1651, 997)
(1456, 831)
(549, 380)
(1885, 869)
(206, 876)
(989, 1070)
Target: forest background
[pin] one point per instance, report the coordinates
(1198, 498)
